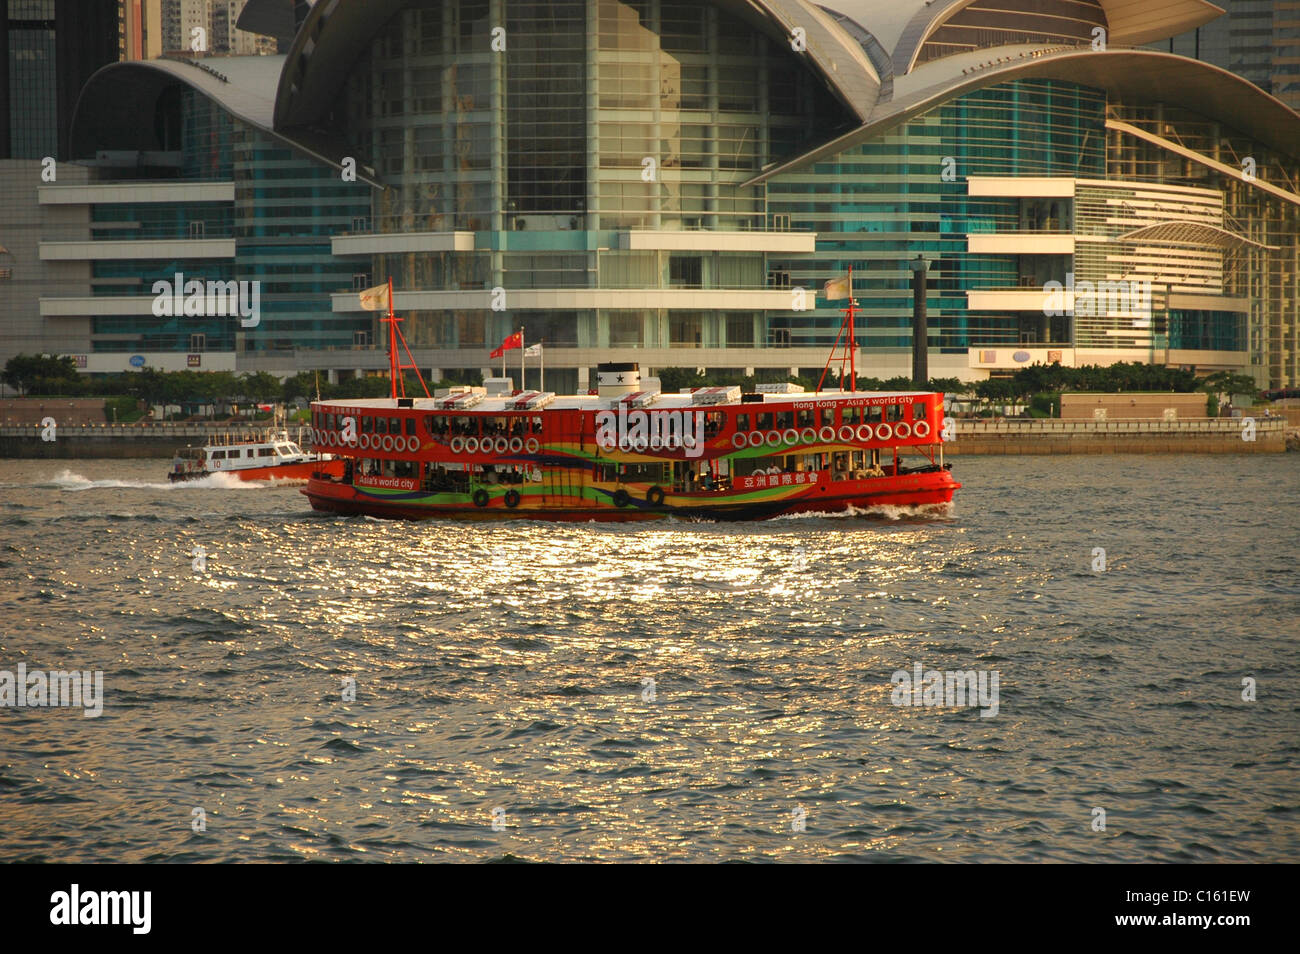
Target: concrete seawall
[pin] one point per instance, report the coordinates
(119, 441)
(973, 437)
(1215, 436)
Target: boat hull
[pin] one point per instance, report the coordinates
(602, 503)
(301, 471)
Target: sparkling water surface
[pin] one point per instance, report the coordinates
(507, 667)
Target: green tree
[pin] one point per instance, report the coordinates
(261, 387)
(41, 374)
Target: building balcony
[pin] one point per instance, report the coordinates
(136, 192)
(1033, 299)
(701, 240)
(99, 250)
(1018, 187)
(382, 243)
(586, 299)
(98, 307)
(1020, 243)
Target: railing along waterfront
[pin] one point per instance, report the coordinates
(1048, 426)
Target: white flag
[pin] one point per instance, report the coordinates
(533, 351)
(375, 299)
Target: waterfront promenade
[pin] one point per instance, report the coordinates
(1044, 436)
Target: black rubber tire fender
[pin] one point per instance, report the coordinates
(621, 498)
(480, 498)
(655, 496)
(512, 498)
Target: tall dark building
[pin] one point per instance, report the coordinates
(50, 48)
(1259, 40)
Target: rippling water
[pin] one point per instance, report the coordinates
(506, 666)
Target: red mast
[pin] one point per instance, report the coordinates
(395, 366)
(850, 346)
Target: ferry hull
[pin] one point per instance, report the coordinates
(602, 503)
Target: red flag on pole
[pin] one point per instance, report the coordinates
(515, 340)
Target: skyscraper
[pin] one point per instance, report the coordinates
(180, 18)
(1286, 52)
(139, 29)
(1259, 40)
(50, 48)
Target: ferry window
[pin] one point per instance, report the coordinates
(894, 413)
(873, 414)
(266, 452)
(828, 417)
(381, 425)
(394, 425)
(367, 425)
(764, 421)
(806, 417)
(784, 420)
(742, 422)
(537, 425)
(329, 422)
(465, 426)
(851, 415)
(918, 411)
(713, 422)
(218, 455)
(410, 427)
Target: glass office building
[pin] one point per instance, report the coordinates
(674, 182)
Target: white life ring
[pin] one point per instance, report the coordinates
(809, 435)
(739, 439)
(457, 445)
(884, 432)
(385, 442)
(756, 439)
(902, 430)
(502, 445)
(827, 434)
(532, 446)
(363, 441)
(846, 433)
(773, 438)
(791, 436)
(471, 445)
(516, 445)
(864, 432)
(921, 428)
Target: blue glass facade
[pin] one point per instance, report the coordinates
(285, 210)
(878, 204)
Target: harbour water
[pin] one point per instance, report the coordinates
(671, 692)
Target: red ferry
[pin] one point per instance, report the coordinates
(630, 452)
